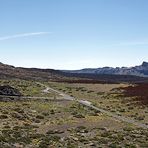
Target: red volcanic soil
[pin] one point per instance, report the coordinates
(139, 91)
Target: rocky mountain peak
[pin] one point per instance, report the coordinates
(145, 64)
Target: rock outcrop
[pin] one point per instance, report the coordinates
(9, 91)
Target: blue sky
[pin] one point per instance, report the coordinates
(73, 34)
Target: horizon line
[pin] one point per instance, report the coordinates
(69, 69)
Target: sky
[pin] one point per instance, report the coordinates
(73, 34)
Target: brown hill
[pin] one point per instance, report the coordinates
(7, 71)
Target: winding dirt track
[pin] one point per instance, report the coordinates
(89, 104)
(85, 103)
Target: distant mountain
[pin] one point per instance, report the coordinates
(141, 70)
(138, 74)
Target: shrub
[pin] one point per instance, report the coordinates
(3, 116)
(40, 117)
(79, 116)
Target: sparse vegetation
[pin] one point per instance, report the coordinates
(62, 123)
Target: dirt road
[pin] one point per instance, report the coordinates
(89, 104)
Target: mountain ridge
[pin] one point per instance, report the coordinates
(141, 70)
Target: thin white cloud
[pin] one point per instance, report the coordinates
(23, 35)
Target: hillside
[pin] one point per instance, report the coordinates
(7, 71)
